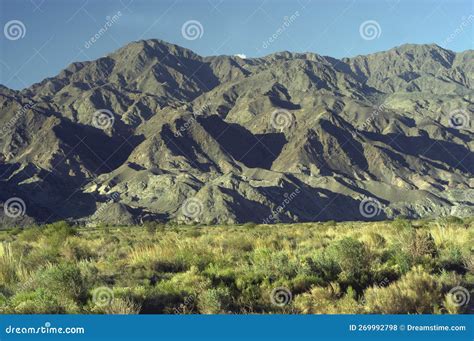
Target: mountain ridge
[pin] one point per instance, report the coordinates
(239, 136)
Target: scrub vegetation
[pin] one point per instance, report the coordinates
(391, 267)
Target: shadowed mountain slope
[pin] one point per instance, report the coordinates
(154, 131)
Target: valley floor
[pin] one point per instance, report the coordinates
(400, 267)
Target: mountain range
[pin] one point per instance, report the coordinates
(155, 132)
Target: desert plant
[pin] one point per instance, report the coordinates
(416, 292)
(354, 260)
(63, 279)
(214, 301)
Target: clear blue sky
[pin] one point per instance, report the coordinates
(56, 31)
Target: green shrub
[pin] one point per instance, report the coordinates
(401, 223)
(31, 234)
(249, 225)
(377, 240)
(417, 292)
(214, 301)
(57, 233)
(354, 260)
(41, 301)
(421, 244)
(324, 266)
(65, 280)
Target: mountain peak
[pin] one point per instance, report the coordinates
(239, 137)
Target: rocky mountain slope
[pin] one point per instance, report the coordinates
(154, 131)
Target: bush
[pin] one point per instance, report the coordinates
(354, 260)
(57, 233)
(402, 223)
(64, 280)
(41, 301)
(417, 292)
(74, 250)
(327, 300)
(421, 244)
(376, 240)
(31, 234)
(214, 301)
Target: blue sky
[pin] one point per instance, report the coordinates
(55, 32)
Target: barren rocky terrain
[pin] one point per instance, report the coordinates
(154, 131)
